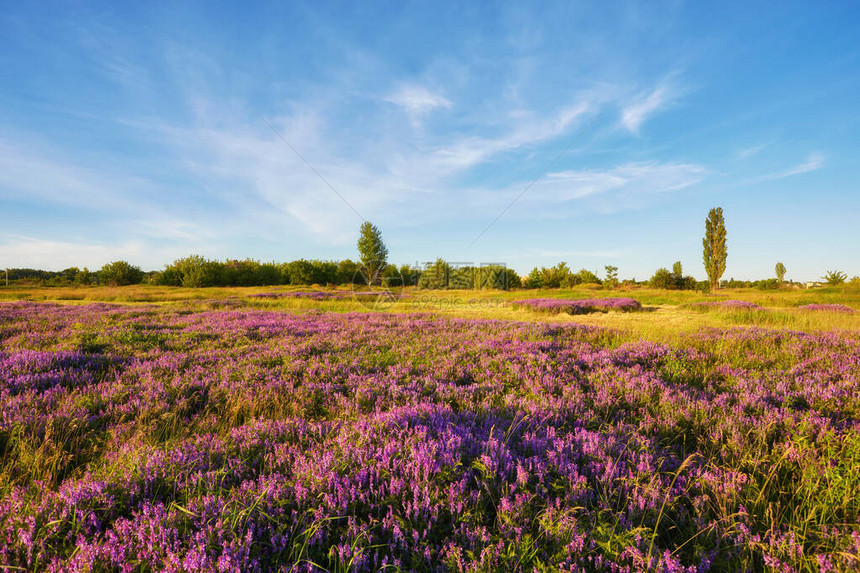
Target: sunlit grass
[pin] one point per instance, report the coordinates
(665, 314)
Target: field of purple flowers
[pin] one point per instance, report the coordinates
(165, 439)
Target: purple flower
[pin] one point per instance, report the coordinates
(175, 439)
(556, 305)
(828, 308)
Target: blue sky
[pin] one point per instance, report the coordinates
(139, 132)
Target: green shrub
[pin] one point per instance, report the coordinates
(120, 273)
(347, 272)
(672, 280)
(553, 277)
(663, 278)
(588, 277)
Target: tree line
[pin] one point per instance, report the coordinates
(198, 271)
(373, 269)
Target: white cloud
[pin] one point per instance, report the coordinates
(134, 203)
(748, 152)
(27, 174)
(417, 101)
(561, 195)
(814, 162)
(250, 168)
(646, 104)
(31, 252)
(471, 151)
(260, 179)
(628, 180)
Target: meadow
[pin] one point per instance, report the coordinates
(167, 429)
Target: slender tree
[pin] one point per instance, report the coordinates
(780, 272)
(611, 276)
(373, 252)
(715, 246)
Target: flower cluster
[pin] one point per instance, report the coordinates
(583, 306)
(828, 308)
(169, 439)
(728, 305)
(314, 295)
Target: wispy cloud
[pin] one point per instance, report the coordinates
(814, 162)
(26, 174)
(646, 104)
(628, 179)
(258, 178)
(135, 203)
(748, 152)
(407, 181)
(417, 101)
(573, 193)
(111, 52)
(471, 151)
(32, 252)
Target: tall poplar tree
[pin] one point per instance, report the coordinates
(715, 246)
